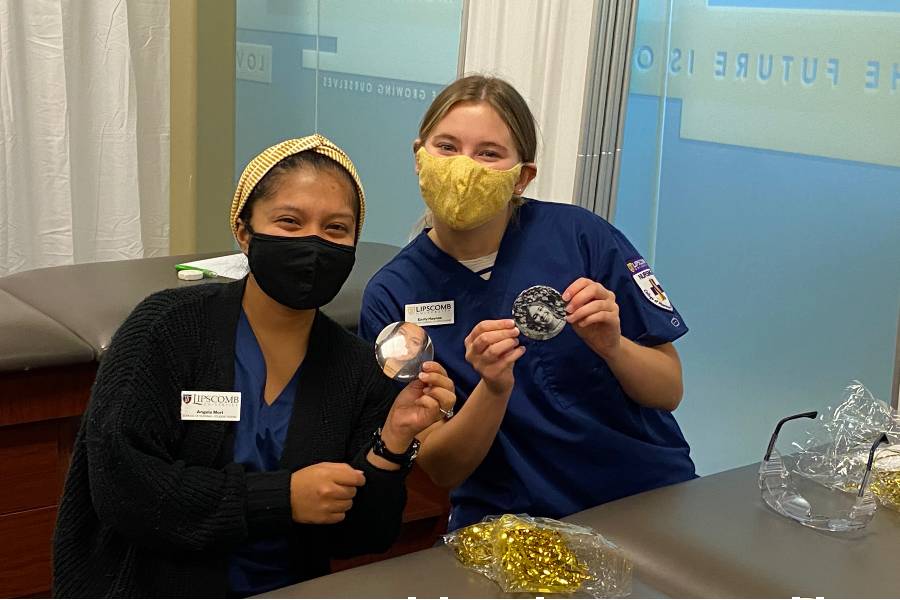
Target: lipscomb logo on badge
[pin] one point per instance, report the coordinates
(186, 398)
(638, 264)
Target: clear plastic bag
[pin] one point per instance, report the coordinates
(835, 447)
(538, 555)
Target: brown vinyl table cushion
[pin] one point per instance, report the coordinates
(93, 300)
(369, 258)
(30, 339)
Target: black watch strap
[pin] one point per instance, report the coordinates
(405, 459)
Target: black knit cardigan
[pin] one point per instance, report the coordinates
(153, 506)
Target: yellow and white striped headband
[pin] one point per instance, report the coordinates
(268, 158)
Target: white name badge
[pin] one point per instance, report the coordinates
(430, 313)
(210, 406)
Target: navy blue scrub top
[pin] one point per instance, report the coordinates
(571, 438)
(259, 565)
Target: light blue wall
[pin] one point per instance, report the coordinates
(380, 65)
(846, 5)
(785, 266)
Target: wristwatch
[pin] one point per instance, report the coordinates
(405, 460)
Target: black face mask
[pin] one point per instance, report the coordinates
(299, 272)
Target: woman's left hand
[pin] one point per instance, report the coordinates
(419, 406)
(594, 315)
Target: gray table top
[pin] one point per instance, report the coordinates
(715, 537)
(429, 573)
(710, 537)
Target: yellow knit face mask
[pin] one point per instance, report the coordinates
(462, 193)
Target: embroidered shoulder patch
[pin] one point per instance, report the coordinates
(647, 282)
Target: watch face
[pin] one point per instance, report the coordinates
(401, 349)
(540, 312)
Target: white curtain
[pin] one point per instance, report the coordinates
(541, 47)
(84, 131)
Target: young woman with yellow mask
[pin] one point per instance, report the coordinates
(236, 437)
(569, 419)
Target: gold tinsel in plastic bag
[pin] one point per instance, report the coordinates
(885, 482)
(475, 546)
(526, 554)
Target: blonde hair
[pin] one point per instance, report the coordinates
(504, 99)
